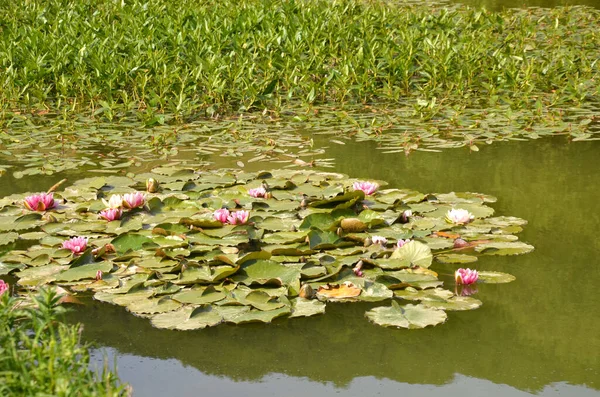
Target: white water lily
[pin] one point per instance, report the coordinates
(459, 216)
(115, 201)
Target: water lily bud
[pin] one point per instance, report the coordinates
(306, 291)
(405, 216)
(368, 241)
(358, 269)
(48, 217)
(304, 203)
(152, 185)
(460, 243)
(268, 195)
(340, 231)
(99, 275)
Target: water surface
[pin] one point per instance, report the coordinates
(537, 335)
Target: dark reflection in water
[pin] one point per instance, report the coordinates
(539, 333)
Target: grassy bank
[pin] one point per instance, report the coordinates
(188, 56)
(40, 356)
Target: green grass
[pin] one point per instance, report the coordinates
(41, 356)
(199, 56)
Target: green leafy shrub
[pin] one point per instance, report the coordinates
(41, 356)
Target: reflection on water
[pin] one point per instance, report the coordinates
(537, 334)
(192, 380)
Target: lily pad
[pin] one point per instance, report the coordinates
(407, 316)
(488, 277)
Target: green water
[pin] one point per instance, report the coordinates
(536, 335)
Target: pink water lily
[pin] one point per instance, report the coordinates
(3, 287)
(367, 187)
(459, 216)
(134, 200)
(221, 215)
(40, 202)
(406, 215)
(401, 243)
(76, 244)
(382, 241)
(238, 217)
(99, 275)
(257, 192)
(115, 201)
(466, 276)
(111, 214)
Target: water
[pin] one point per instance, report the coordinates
(537, 335)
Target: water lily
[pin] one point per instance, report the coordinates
(221, 215)
(134, 200)
(459, 216)
(465, 276)
(238, 217)
(111, 214)
(99, 275)
(401, 243)
(382, 241)
(358, 269)
(115, 201)
(406, 215)
(257, 192)
(367, 187)
(3, 287)
(76, 244)
(40, 202)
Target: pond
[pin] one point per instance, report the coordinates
(536, 335)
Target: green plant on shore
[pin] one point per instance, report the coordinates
(41, 356)
(188, 57)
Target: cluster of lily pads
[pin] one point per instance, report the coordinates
(202, 248)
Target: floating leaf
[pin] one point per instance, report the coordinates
(415, 253)
(495, 277)
(338, 291)
(455, 258)
(504, 248)
(454, 303)
(306, 307)
(407, 316)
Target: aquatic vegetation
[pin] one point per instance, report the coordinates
(115, 201)
(76, 244)
(459, 216)
(134, 200)
(152, 185)
(42, 355)
(400, 243)
(202, 251)
(382, 241)
(111, 214)
(257, 192)
(3, 287)
(40, 202)
(465, 276)
(222, 214)
(367, 187)
(238, 217)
